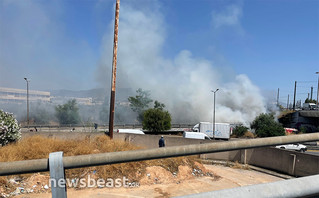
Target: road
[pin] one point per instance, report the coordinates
(313, 152)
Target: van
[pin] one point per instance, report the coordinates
(131, 131)
(195, 135)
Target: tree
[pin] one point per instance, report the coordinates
(140, 102)
(9, 128)
(68, 113)
(158, 105)
(156, 120)
(266, 126)
(310, 101)
(240, 130)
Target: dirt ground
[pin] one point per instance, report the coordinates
(160, 183)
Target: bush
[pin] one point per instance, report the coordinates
(240, 130)
(68, 113)
(266, 126)
(156, 120)
(9, 128)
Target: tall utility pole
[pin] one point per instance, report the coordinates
(27, 100)
(116, 30)
(294, 105)
(214, 113)
(288, 102)
(278, 98)
(311, 92)
(317, 91)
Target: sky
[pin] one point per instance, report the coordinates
(163, 45)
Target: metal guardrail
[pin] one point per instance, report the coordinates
(40, 165)
(138, 125)
(301, 187)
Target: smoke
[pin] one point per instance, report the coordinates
(36, 43)
(183, 83)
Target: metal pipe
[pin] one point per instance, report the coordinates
(317, 91)
(278, 98)
(293, 164)
(28, 166)
(214, 113)
(28, 122)
(301, 187)
(112, 101)
(294, 105)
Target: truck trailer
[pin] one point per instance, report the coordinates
(222, 130)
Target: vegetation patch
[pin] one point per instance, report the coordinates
(37, 147)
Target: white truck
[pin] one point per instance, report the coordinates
(309, 106)
(222, 130)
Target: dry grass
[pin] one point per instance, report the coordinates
(37, 147)
(237, 165)
(249, 134)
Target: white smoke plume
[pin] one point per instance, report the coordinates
(183, 83)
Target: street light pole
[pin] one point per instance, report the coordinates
(317, 91)
(27, 100)
(214, 113)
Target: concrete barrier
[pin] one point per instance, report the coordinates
(289, 162)
(62, 135)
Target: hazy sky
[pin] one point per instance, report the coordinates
(63, 44)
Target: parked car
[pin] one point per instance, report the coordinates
(295, 147)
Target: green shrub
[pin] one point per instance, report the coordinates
(240, 130)
(265, 125)
(303, 129)
(68, 113)
(156, 120)
(9, 128)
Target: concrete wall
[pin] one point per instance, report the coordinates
(62, 135)
(146, 141)
(288, 162)
(151, 141)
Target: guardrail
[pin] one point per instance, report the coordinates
(301, 187)
(137, 125)
(40, 165)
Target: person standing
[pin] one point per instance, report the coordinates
(161, 142)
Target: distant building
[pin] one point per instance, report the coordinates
(20, 95)
(10, 95)
(81, 101)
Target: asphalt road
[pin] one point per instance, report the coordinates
(313, 152)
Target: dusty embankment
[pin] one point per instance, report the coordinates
(153, 178)
(158, 182)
